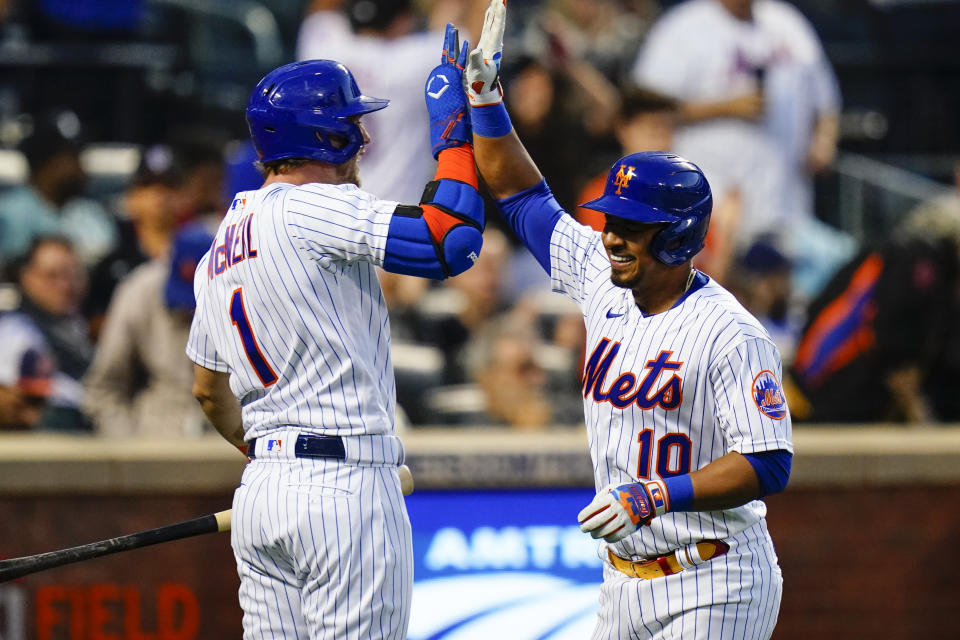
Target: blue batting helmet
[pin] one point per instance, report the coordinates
(656, 187)
(302, 110)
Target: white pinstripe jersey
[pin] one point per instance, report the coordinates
(685, 379)
(288, 302)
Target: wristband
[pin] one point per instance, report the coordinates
(491, 121)
(679, 492)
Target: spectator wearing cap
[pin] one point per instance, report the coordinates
(51, 202)
(140, 380)
(761, 281)
(26, 374)
(150, 206)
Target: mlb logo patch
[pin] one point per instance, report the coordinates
(656, 494)
(768, 396)
(274, 445)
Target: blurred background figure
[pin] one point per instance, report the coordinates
(882, 341)
(150, 207)
(545, 100)
(385, 44)
(502, 360)
(761, 281)
(26, 374)
(465, 304)
(604, 34)
(646, 121)
(53, 285)
(759, 103)
(140, 381)
(51, 202)
(201, 158)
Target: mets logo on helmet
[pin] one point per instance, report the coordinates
(623, 178)
(768, 395)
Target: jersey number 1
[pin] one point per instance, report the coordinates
(239, 317)
(673, 454)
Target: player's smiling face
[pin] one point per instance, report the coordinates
(628, 247)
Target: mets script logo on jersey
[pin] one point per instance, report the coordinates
(625, 390)
(768, 395)
(623, 178)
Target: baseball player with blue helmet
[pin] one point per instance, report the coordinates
(291, 343)
(686, 419)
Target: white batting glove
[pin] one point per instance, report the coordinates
(617, 511)
(481, 76)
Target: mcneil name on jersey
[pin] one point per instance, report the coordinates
(237, 244)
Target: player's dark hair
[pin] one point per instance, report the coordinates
(279, 167)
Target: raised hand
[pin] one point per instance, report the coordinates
(481, 77)
(446, 103)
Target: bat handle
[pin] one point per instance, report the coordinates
(224, 520)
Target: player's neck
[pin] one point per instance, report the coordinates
(661, 294)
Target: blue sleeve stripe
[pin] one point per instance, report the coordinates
(533, 214)
(772, 469)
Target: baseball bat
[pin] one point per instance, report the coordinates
(18, 567)
(213, 523)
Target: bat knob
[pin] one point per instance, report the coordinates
(406, 479)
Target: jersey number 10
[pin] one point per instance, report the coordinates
(238, 315)
(673, 454)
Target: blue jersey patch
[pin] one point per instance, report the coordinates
(768, 395)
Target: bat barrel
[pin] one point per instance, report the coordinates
(18, 567)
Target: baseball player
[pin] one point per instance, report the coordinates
(291, 343)
(687, 423)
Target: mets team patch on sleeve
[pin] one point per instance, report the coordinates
(768, 395)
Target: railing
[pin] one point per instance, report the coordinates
(872, 196)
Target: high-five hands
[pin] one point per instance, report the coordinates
(481, 77)
(446, 104)
(616, 512)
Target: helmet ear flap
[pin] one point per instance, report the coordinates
(680, 240)
(337, 145)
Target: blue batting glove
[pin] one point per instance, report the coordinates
(446, 101)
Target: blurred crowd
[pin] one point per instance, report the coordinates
(96, 286)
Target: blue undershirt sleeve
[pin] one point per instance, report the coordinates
(772, 469)
(533, 213)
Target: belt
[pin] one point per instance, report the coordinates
(306, 446)
(683, 558)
